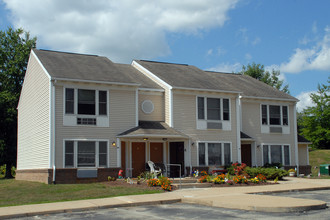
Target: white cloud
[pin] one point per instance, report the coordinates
(315, 58)
(305, 100)
(248, 56)
(121, 30)
(227, 68)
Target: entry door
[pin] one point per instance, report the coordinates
(176, 157)
(246, 154)
(138, 158)
(156, 152)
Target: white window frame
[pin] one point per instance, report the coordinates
(205, 108)
(222, 146)
(268, 115)
(75, 153)
(270, 156)
(71, 119)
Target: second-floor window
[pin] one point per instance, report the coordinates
(274, 115)
(213, 109)
(89, 102)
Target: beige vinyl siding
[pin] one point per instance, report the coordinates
(158, 101)
(122, 117)
(251, 125)
(302, 154)
(33, 138)
(184, 118)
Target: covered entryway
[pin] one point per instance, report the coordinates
(138, 158)
(246, 154)
(176, 157)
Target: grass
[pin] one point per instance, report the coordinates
(14, 192)
(316, 158)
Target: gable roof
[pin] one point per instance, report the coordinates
(152, 129)
(191, 77)
(302, 139)
(72, 66)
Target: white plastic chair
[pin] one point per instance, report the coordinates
(153, 170)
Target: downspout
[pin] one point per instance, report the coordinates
(295, 137)
(238, 129)
(52, 128)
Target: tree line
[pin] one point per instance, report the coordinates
(15, 47)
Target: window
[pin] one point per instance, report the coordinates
(102, 102)
(201, 154)
(86, 102)
(274, 115)
(285, 115)
(226, 109)
(69, 154)
(210, 109)
(103, 154)
(276, 154)
(201, 111)
(214, 154)
(86, 154)
(69, 101)
(213, 109)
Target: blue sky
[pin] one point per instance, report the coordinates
(292, 36)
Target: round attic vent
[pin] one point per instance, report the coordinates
(147, 106)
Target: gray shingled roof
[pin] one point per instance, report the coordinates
(63, 65)
(245, 136)
(152, 129)
(301, 139)
(191, 77)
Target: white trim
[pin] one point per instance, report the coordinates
(143, 107)
(268, 98)
(152, 135)
(151, 90)
(150, 74)
(171, 107)
(295, 137)
(307, 154)
(206, 90)
(41, 65)
(118, 152)
(238, 130)
(136, 107)
(222, 148)
(270, 156)
(97, 82)
(75, 152)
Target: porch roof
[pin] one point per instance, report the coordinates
(245, 136)
(152, 129)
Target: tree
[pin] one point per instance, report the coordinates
(258, 72)
(315, 121)
(15, 47)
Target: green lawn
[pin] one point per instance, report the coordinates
(15, 192)
(317, 157)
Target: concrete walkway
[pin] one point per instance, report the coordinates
(245, 198)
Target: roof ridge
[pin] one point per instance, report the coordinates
(55, 51)
(151, 61)
(210, 71)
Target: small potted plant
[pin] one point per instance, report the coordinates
(292, 172)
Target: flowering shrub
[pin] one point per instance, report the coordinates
(165, 183)
(203, 179)
(229, 182)
(153, 182)
(261, 178)
(204, 173)
(240, 179)
(220, 179)
(254, 180)
(238, 168)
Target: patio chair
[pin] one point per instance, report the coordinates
(153, 169)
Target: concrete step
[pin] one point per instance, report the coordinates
(192, 185)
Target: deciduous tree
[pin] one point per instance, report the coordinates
(15, 47)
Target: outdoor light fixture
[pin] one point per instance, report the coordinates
(145, 139)
(113, 144)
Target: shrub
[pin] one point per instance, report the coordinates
(269, 173)
(236, 169)
(147, 175)
(3, 170)
(203, 173)
(153, 182)
(240, 179)
(165, 183)
(220, 179)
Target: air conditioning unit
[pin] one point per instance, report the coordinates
(275, 130)
(214, 125)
